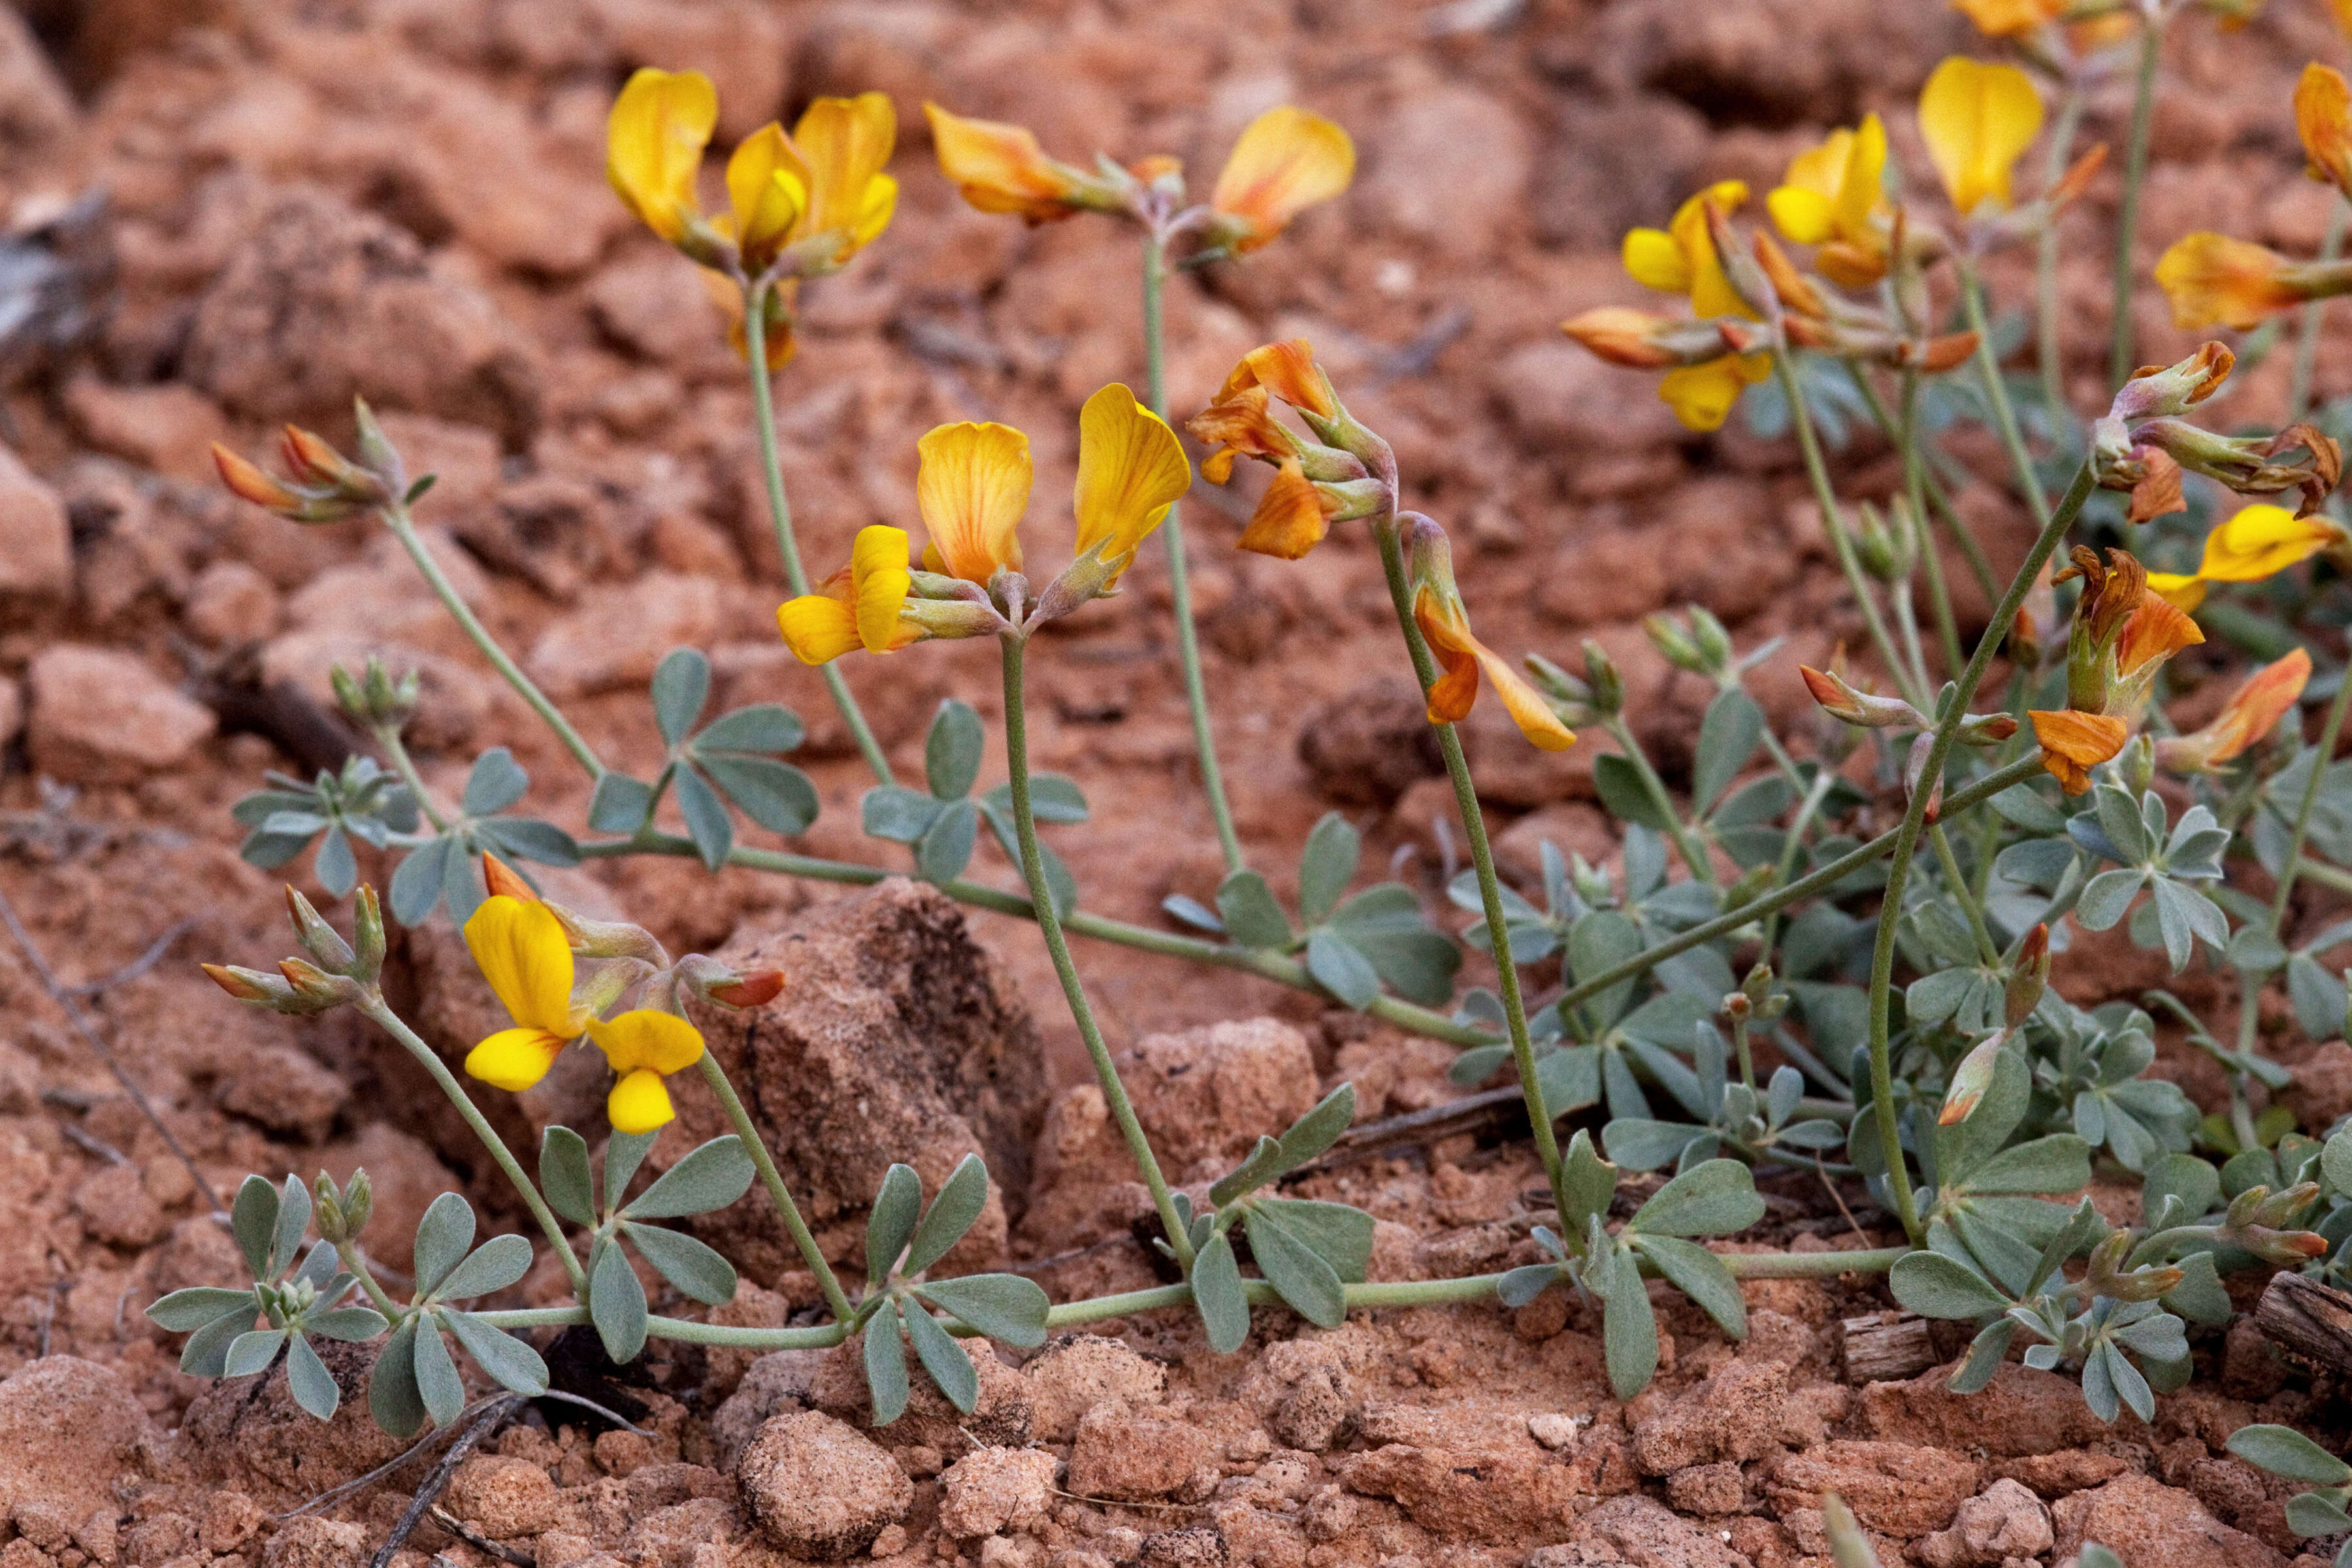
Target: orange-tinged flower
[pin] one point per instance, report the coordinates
(1681, 257)
(500, 878)
(2009, 19)
(1287, 370)
(1131, 469)
(1626, 337)
(2252, 712)
(1702, 395)
(2213, 279)
(1240, 422)
(2073, 743)
(782, 342)
(1977, 120)
(653, 146)
(1292, 516)
(252, 482)
(847, 142)
(1285, 161)
(2156, 631)
(1001, 168)
(1444, 623)
(972, 489)
(2322, 118)
(1832, 196)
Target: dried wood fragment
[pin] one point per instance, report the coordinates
(1888, 1347)
(2310, 1319)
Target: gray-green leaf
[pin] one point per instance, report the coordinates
(886, 1364)
(1003, 1307)
(438, 1383)
(616, 1304)
(1217, 1293)
(957, 1205)
(709, 1177)
(681, 687)
(308, 1379)
(392, 1396)
(1716, 1197)
(252, 1352)
(443, 1236)
(951, 750)
(1326, 866)
(2284, 1451)
(490, 1268)
(1252, 917)
(699, 1272)
(512, 1363)
(891, 1221)
(942, 1358)
(1700, 1275)
(564, 1175)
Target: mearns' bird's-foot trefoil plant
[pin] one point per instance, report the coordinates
(1830, 947)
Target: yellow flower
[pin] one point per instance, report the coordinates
(847, 141)
(1680, 258)
(1285, 161)
(971, 487)
(1832, 196)
(2073, 743)
(2252, 712)
(524, 955)
(1702, 395)
(2009, 19)
(768, 191)
(1131, 469)
(653, 146)
(859, 607)
(2322, 118)
(2260, 541)
(1001, 169)
(1977, 120)
(2213, 279)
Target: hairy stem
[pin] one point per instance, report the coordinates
(384, 1018)
(348, 1254)
(836, 1300)
(1179, 578)
(1922, 541)
(388, 737)
(2004, 413)
(1964, 895)
(2120, 350)
(780, 513)
(1049, 925)
(1694, 857)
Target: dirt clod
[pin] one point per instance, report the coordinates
(819, 1489)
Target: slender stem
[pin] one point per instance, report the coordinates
(1938, 500)
(384, 1018)
(2293, 866)
(2046, 345)
(1914, 492)
(388, 737)
(1654, 787)
(836, 1300)
(348, 1253)
(1793, 846)
(2324, 874)
(2119, 352)
(2306, 346)
(1180, 575)
(1049, 925)
(396, 516)
(1964, 895)
(1906, 621)
(1490, 888)
(780, 512)
(1898, 868)
(2004, 413)
(1833, 520)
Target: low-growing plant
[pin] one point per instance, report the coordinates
(1744, 1016)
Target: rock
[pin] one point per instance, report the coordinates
(12, 710)
(654, 308)
(999, 1417)
(2321, 1090)
(1616, 163)
(1196, 1546)
(777, 1382)
(1206, 1095)
(2005, 1521)
(2151, 1525)
(35, 108)
(1562, 400)
(169, 428)
(1502, 1496)
(322, 302)
(1451, 167)
(69, 1429)
(1708, 1488)
(284, 1089)
(1573, 827)
(1778, 62)
(35, 537)
(1894, 1489)
(1736, 1415)
(1641, 1532)
(103, 717)
(620, 632)
(1133, 1455)
(1556, 1431)
(230, 604)
(229, 1519)
(2021, 1412)
(503, 1497)
(249, 1432)
(1302, 1390)
(990, 1489)
(819, 1489)
(314, 1543)
(1371, 743)
(2068, 1470)
(1077, 1372)
(116, 1208)
(896, 1038)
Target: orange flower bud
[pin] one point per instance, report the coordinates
(501, 878)
(1624, 336)
(755, 989)
(252, 483)
(2322, 118)
(1841, 701)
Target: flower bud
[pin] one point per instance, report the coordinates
(1714, 643)
(1986, 729)
(342, 1215)
(373, 699)
(1751, 886)
(1736, 1007)
(715, 982)
(2138, 763)
(377, 453)
(318, 989)
(2104, 1274)
(1970, 1079)
(1841, 701)
(2156, 391)
(318, 939)
(1608, 685)
(367, 936)
(270, 990)
(314, 463)
(246, 480)
(1670, 639)
(1571, 696)
(1641, 340)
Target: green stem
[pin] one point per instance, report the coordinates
(1490, 888)
(2326, 876)
(1965, 896)
(1793, 846)
(1180, 579)
(1898, 868)
(395, 515)
(1833, 520)
(2004, 413)
(2306, 346)
(1914, 492)
(1049, 925)
(388, 737)
(384, 1018)
(1654, 787)
(2047, 346)
(836, 1300)
(2119, 352)
(348, 1253)
(1938, 501)
(2292, 865)
(780, 512)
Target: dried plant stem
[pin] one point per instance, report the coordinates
(836, 1300)
(1180, 580)
(2004, 413)
(1906, 842)
(1490, 890)
(780, 513)
(384, 1018)
(2046, 345)
(1049, 925)
(2120, 350)
(1833, 521)
(2306, 344)
(403, 528)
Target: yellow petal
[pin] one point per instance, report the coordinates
(1803, 216)
(653, 145)
(880, 580)
(1654, 261)
(1525, 705)
(846, 143)
(2261, 541)
(1131, 468)
(648, 1037)
(1000, 168)
(1862, 181)
(2181, 591)
(1285, 161)
(1977, 120)
(881, 203)
(972, 489)
(1702, 395)
(767, 187)
(817, 627)
(524, 955)
(1711, 293)
(639, 1103)
(1822, 169)
(513, 1060)
(2213, 279)
(2011, 18)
